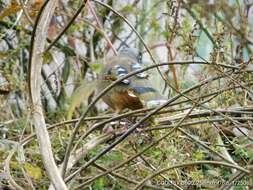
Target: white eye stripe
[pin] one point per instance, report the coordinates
(122, 74)
(122, 70)
(136, 66)
(142, 75)
(125, 81)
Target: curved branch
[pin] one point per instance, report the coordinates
(38, 41)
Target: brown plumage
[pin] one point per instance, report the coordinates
(132, 93)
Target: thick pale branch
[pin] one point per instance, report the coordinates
(35, 64)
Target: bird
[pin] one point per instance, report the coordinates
(133, 93)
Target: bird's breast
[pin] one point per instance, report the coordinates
(124, 100)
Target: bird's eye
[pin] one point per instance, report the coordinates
(140, 57)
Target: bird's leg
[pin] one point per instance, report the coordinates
(110, 127)
(122, 124)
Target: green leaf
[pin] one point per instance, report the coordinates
(33, 171)
(199, 155)
(127, 9)
(96, 67)
(66, 71)
(99, 184)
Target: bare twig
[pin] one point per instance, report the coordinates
(67, 26)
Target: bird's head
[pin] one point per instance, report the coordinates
(132, 53)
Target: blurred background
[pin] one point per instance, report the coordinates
(219, 32)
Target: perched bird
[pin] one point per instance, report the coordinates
(132, 93)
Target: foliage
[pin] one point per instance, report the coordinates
(213, 122)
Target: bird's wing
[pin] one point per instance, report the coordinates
(142, 86)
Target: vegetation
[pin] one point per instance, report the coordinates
(51, 53)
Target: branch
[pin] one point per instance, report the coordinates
(38, 42)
